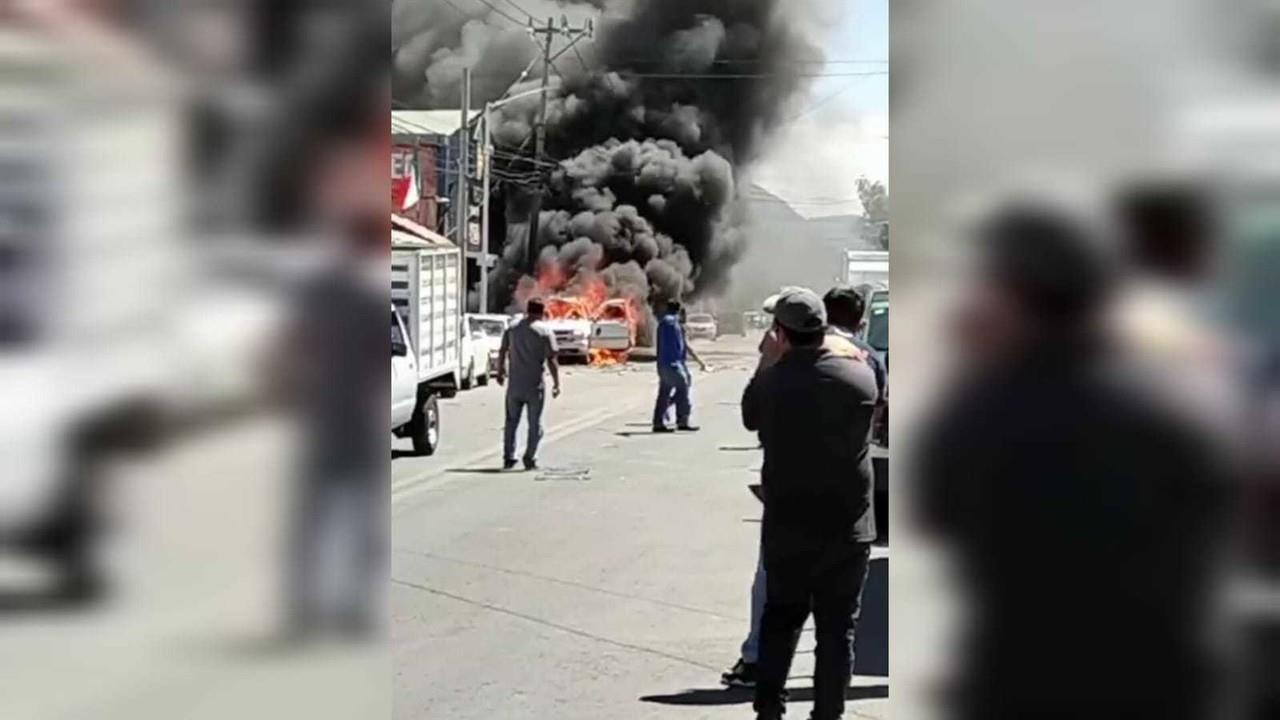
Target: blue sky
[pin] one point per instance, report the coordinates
(840, 129)
(863, 34)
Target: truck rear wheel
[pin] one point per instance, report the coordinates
(424, 428)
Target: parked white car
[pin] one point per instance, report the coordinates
(701, 326)
(480, 344)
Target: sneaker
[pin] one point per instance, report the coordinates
(508, 464)
(742, 675)
(530, 464)
(662, 429)
(687, 428)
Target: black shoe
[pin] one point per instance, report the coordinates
(741, 675)
(662, 429)
(687, 428)
(508, 464)
(529, 464)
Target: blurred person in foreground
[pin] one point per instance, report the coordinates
(674, 379)
(526, 348)
(840, 341)
(1080, 510)
(812, 407)
(337, 375)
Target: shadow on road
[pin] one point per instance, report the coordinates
(402, 453)
(484, 471)
(738, 448)
(742, 696)
(15, 603)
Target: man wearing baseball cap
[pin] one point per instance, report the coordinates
(812, 405)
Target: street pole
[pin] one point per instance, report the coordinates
(486, 159)
(464, 185)
(540, 146)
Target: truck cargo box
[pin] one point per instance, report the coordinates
(426, 291)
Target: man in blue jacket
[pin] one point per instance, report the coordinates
(673, 372)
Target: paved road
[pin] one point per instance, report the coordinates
(614, 589)
(613, 584)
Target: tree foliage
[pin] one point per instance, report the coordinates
(875, 208)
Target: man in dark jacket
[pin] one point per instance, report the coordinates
(812, 408)
(1080, 511)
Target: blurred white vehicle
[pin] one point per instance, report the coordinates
(481, 339)
(486, 333)
(701, 326)
(90, 270)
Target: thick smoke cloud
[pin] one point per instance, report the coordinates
(648, 129)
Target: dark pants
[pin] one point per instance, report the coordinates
(673, 384)
(827, 581)
(517, 403)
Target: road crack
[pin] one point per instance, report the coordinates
(557, 626)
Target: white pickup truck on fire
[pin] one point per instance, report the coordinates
(579, 329)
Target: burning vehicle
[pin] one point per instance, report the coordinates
(570, 321)
(602, 334)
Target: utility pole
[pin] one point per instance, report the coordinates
(573, 35)
(464, 187)
(540, 144)
(486, 157)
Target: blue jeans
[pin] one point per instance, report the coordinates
(759, 591)
(673, 384)
(517, 403)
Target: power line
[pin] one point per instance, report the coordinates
(517, 7)
(758, 61)
(823, 101)
(748, 76)
(582, 62)
(460, 11)
(500, 11)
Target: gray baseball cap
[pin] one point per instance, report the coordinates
(801, 310)
(772, 300)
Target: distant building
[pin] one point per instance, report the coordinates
(425, 149)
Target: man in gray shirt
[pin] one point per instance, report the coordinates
(529, 346)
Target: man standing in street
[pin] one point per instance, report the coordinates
(529, 346)
(673, 372)
(842, 305)
(812, 407)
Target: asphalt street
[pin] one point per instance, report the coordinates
(612, 583)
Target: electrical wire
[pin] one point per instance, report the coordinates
(517, 7)
(757, 61)
(581, 61)
(748, 76)
(501, 12)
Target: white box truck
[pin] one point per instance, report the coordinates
(866, 267)
(89, 273)
(426, 324)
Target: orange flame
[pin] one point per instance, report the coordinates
(585, 297)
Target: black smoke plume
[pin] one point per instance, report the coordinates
(645, 133)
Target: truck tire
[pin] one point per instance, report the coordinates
(424, 428)
(74, 542)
